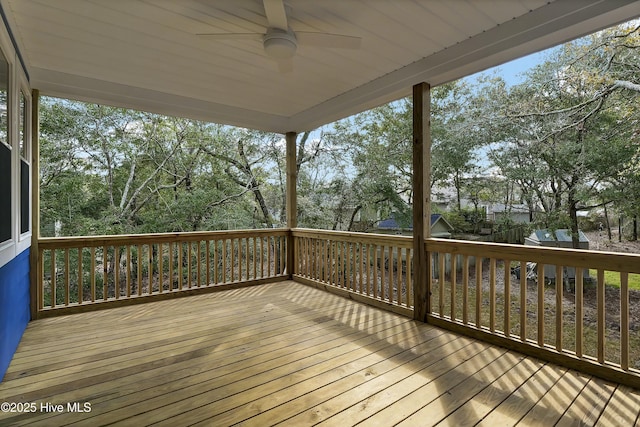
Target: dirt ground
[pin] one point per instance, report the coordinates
(599, 241)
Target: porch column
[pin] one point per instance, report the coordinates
(34, 289)
(421, 199)
(291, 198)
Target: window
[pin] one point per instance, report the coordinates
(24, 166)
(5, 154)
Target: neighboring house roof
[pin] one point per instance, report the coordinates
(392, 224)
(560, 235)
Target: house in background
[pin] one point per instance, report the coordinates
(516, 214)
(440, 227)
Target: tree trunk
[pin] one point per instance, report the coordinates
(635, 227)
(457, 184)
(620, 219)
(573, 217)
(606, 220)
(353, 216)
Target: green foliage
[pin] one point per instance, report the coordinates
(562, 141)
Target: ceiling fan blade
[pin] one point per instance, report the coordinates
(230, 36)
(285, 65)
(276, 14)
(337, 41)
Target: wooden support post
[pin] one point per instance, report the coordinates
(292, 198)
(421, 200)
(34, 273)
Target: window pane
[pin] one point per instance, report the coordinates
(6, 222)
(21, 127)
(4, 85)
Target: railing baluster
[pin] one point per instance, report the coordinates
(80, 276)
(383, 270)
(559, 281)
(303, 256)
(319, 259)
(523, 301)
(367, 258)
(92, 275)
(624, 320)
(478, 292)
(441, 274)
(150, 267)
(579, 310)
(140, 269)
(128, 271)
(207, 254)
(171, 244)
(454, 280)
(312, 258)
(281, 255)
(390, 283)
(349, 259)
(67, 278)
(189, 265)
(399, 300)
(540, 282)
(247, 259)
(269, 246)
(601, 315)
(215, 262)
(41, 276)
(325, 261)
(116, 272)
(307, 257)
(507, 297)
(262, 255)
(360, 279)
(105, 274)
(492, 294)
(409, 279)
(339, 270)
(255, 258)
(375, 270)
(465, 289)
(160, 267)
(199, 264)
(224, 260)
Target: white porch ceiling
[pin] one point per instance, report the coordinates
(145, 54)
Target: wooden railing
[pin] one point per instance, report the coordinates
(552, 303)
(76, 272)
(374, 268)
(572, 307)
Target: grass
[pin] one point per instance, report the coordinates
(612, 278)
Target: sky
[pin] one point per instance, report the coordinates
(512, 71)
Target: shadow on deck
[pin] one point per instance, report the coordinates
(291, 354)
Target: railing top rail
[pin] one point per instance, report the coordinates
(132, 239)
(350, 236)
(613, 261)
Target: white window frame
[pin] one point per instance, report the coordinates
(17, 82)
(24, 239)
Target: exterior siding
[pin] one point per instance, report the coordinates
(14, 306)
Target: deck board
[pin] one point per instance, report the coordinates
(289, 354)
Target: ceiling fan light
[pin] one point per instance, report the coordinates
(280, 44)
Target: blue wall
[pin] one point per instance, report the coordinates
(14, 306)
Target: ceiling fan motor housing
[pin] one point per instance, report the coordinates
(280, 44)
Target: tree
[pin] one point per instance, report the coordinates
(572, 120)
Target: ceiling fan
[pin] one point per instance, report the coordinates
(280, 42)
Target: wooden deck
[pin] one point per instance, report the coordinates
(287, 354)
